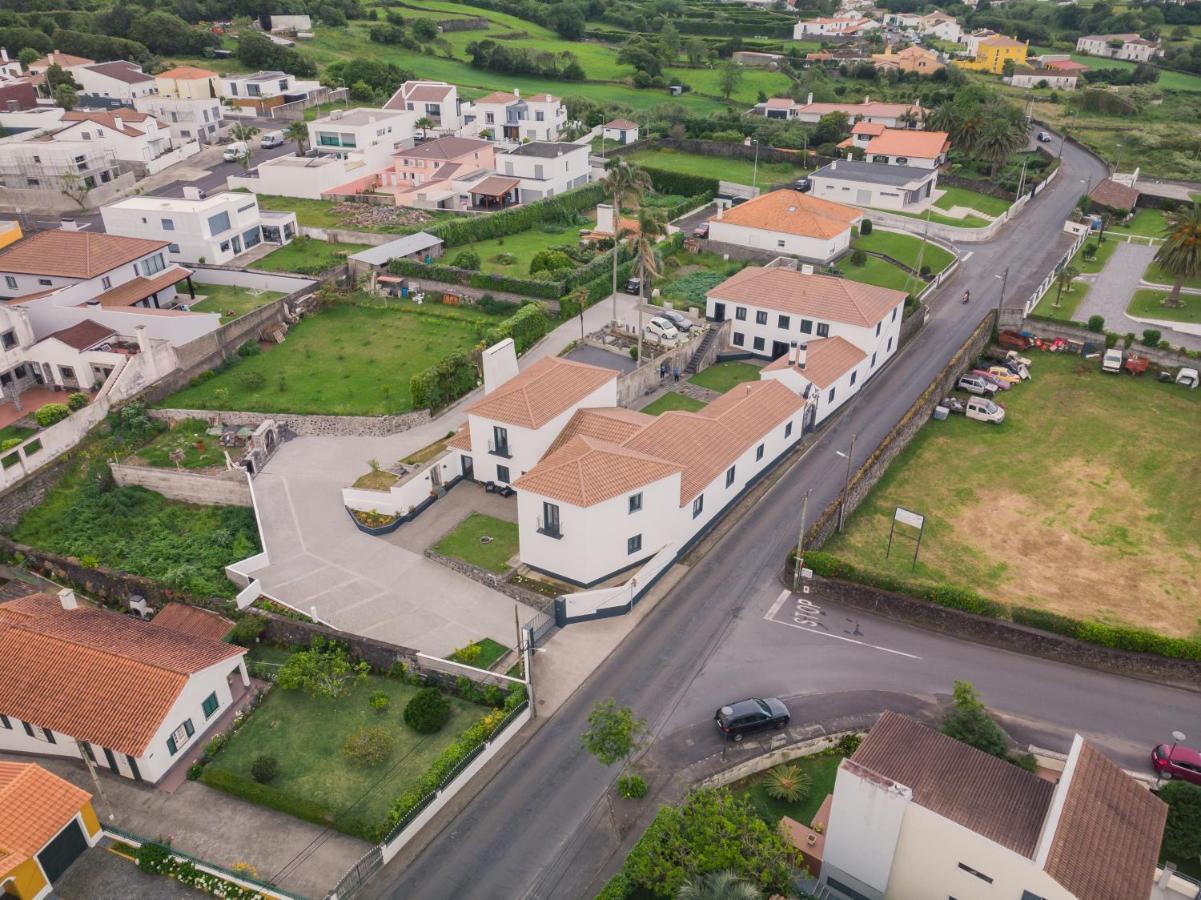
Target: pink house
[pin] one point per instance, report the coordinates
(430, 168)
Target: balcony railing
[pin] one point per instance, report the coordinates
(550, 529)
(501, 449)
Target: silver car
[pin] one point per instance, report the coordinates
(678, 319)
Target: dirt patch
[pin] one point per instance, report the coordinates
(367, 215)
(1090, 551)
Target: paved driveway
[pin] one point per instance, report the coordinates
(102, 873)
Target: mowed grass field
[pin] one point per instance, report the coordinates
(739, 171)
(1079, 503)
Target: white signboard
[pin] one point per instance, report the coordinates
(909, 517)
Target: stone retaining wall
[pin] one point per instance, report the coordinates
(363, 426)
(380, 655)
(496, 582)
(429, 286)
(645, 379)
(228, 488)
(1049, 330)
(30, 491)
(347, 236)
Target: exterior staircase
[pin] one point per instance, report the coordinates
(702, 348)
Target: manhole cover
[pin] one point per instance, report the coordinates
(485, 539)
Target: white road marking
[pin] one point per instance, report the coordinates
(805, 619)
(968, 256)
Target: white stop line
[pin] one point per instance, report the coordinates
(806, 615)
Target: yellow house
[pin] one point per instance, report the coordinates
(10, 233)
(992, 54)
(188, 83)
(46, 825)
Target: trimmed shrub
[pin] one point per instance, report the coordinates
(631, 787)
(563, 208)
(264, 768)
(1047, 621)
(848, 744)
(247, 630)
(1151, 337)
(865, 227)
(51, 413)
(1096, 323)
(443, 383)
(154, 858)
(265, 795)
(368, 747)
(428, 711)
(466, 259)
(666, 182)
(526, 327)
(380, 701)
(249, 348)
(79, 399)
(858, 257)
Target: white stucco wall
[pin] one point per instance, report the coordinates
(863, 832)
(864, 193)
(187, 225)
(865, 338)
(813, 248)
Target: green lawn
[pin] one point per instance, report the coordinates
(306, 735)
(347, 360)
(1156, 275)
(1170, 81)
(230, 300)
(1148, 304)
(1146, 222)
(1104, 250)
(1074, 504)
(466, 542)
(957, 196)
(672, 400)
(965, 222)
(739, 171)
(881, 273)
(307, 256)
(490, 652)
(821, 770)
(725, 375)
(200, 450)
(1069, 302)
(905, 248)
(522, 246)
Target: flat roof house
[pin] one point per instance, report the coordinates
(134, 695)
(512, 117)
(892, 187)
(546, 169)
(373, 134)
(261, 91)
(783, 223)
(919, 814)
(893, 115)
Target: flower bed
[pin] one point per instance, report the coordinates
(374, 523)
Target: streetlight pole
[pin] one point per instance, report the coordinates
(1004, 276)
(800, 544)
(755, 170)
(846, 485)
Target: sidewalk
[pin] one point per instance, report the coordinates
(298, 856)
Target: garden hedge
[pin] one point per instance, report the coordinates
(527, 287)
(265, 795)
(1115, 637)
(526, 327)
(443, 383)
(562, 208)
(666, 182)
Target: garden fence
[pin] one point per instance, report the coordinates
(358, 875)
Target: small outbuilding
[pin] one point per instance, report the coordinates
(419, 247)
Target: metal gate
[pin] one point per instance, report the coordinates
(360, 873)
(538, 627)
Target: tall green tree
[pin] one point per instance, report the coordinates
(65, 96)
(1063, 282)
(1180, 253)
(999, 137)
(324, 670)
(729, 78)
(425, 123)
(1182, 835)
(651, 227)
(623, 182)
(614, 733)
(299, 132)
(969, 721)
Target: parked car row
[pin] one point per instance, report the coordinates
(997, 370)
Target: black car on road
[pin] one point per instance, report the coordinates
(736, 720)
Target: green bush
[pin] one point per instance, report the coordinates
(616, 888)
(427, 711)
(264, 768)
(466, 259)
(368, 747)
(631, 787)
(858, 257)
(526, 327)
(51, 413)
(563, 208)
(1151, 337)
(265, 795)
(380, 701)
(247, 630)
(1182, 836)
(865, 227)
(552, 262)
(1096, 323)
(545, 289)
(1047, 621)
(77, 400)
(443, 383)
(155, 859)
(666, 182)
(249, 348)
(848, 744)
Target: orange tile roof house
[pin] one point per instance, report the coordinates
(788, 223)
(905, 147)
(134, 695)
(894, 115)
(919, 814)
(46, 823)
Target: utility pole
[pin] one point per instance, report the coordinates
(846, 485)
(755, 169)
(800, 543)
(921, 251)
(1004, 280)
(1022, 180)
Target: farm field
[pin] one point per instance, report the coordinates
(1073, 505)
(739, 171)
(1170, 81)
(347, 360)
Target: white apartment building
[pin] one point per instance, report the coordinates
(1130, 47)
(888, 187)
(546, 169)
(820, 330)
(34, 168)
(971, 40)
(434, 100)
(213, 230)
(512, 117)
(833, 26)
(263, 90)
(134, 695)
(783, 223)
(372, 134)
(199, 120)
(118, 80)
(942, 26)
(919, 814)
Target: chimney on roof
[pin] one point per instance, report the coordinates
(809, 99)
(66, 597)
(517, 93)
(792, 351)
(119, 123)
(800, 356)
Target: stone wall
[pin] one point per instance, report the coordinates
(430, 286)
(645, 379)
(736, 251)
(496, 582)
(369, 426)
(380, 655)
(918, 414)
(1008, 635)
(30, 491)
(228, 488)
(1049, 330)
(912, 324)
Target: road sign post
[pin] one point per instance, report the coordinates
(913, 520)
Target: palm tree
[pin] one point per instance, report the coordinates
(1180, 253)
(723, 885)
(425, 123)
(580, 296)
(788, 783)
(623, 181)
(946, 117)
(298, 132)
(998, 139)
(1063, 281)
(244, 133)
(651, 227)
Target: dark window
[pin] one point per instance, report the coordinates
(759, 453)
(550, 519)
(67, 373)
(889, 350)
(4, 721)
(739, 339)
(112, 760)
(87, 748)
(788, 430)
(698, 505)
(10, 339)
(823, 330)
(1030, 895)
(783, 321)
(806, 326)
(758, 344)
(168, 225)
(853, 374)
(634, 544)
(28, 728)
(760, 318)
(502, 474)
(210, 705)
(831, 397)
(894, 313)
(873, 360)
(635, 502)
(878, 324)
(49, 735)
(45, 281)
(500, 441)
(729, 476)
(740, 313)
(979, 875)
(133, 767)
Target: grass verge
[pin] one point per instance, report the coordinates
(466, 542)
(725, 375)
(670, 401)
(1149, 304)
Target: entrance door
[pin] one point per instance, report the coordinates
(58, 855)
(719, 312)
(468, 468)
(778, 349)
(436, 477)
(809, 418)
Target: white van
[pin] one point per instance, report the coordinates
(1112, 361)
(271, 139)
(985, 410)
(234, 151)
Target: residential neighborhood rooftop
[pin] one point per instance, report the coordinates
(827, 359)
(444, 148)
(819, 296)
(35, 803)
(855, 170)
(74, 254)
(109, 118)
(122, 71)
(193, 620)
(83, 335)
(621, 124)
(793, 212)
(547, 388)
(545, 149)
(402, 246)
(908, 142)
(187, 73)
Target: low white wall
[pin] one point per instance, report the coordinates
(226, 489)
(588, 603)
(179, 154)
(398, 500)
(250, 278)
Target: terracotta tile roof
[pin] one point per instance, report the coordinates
(128, 117)
(872, 128)
(74, 254)
(819, 296)
(624, 124)
(1065, 65)
(584, 471)
(428, 93)
(547, 388)
(121, 70)
(780, 103)
(37, 804)
(1000, 40)
(615, 424)
(497, 97)
(95, 675)
(791, 212)
(57, 58)
(1115, 195)
(137, 289)
(192, 620)
(990, 796)
(907, 142)
(826, 360)
(444, 148)
(866, 108)
(495, 186)
(83, 335)
(462, 439)
(186, 73)
(1104, 809)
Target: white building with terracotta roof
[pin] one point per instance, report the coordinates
(892, 115)
(786, 223)
(869, 184)
(919, 814)
(135, 696)
(620, 131)
(899, 146)
(1131, 47)
(434, 100)
(119, 80)
(942, 25)
(64, 61)
(188, 83)
(833, 26)
(512, 117)
(136, 139)
(825, 335)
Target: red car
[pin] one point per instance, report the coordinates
(1177, 762)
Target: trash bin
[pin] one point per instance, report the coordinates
(941, 413)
